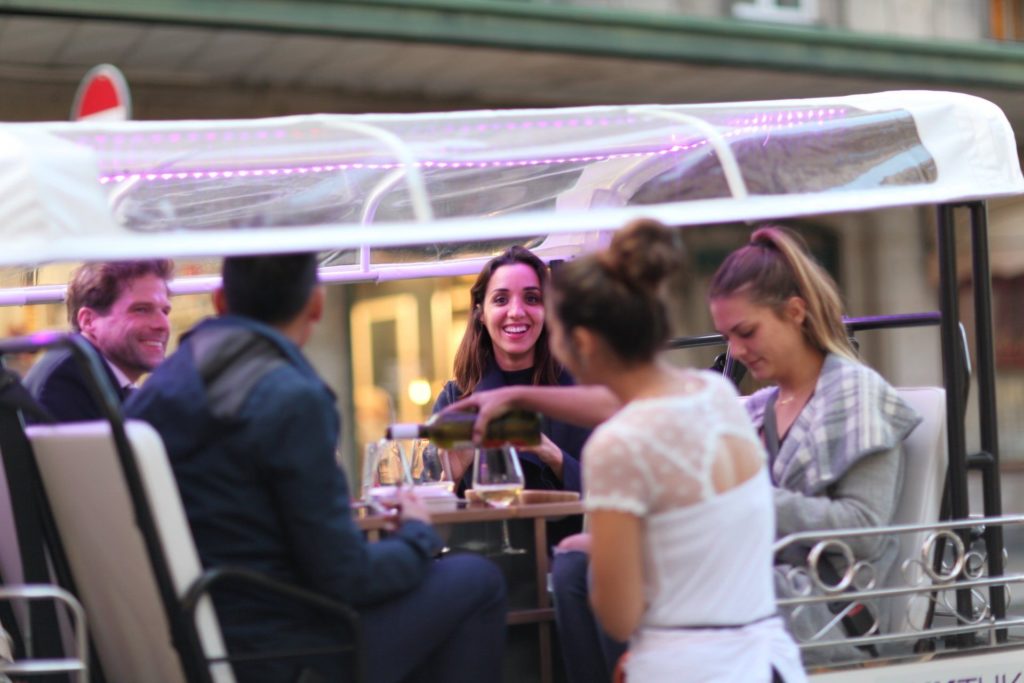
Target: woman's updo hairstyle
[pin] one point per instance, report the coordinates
(774, 267)
(617, 292)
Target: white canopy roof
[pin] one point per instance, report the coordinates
(104, 190)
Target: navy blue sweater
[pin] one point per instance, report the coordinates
(251, 438)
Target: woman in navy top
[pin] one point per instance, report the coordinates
(506, 343)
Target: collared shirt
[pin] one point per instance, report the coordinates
(124, 385)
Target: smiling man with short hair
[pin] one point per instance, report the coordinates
(122, 309)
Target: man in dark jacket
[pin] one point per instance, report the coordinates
(250, 430)
(120, 308)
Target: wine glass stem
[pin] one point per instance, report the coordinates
(506, 542)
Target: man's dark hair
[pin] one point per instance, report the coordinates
(98, 285)
(271, 289)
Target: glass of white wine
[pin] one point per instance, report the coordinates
(498, 480)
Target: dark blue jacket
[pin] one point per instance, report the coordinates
(250, 430)
(569, 438)
(57, 382)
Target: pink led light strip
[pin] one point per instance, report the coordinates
(758, 123)
(327, 168)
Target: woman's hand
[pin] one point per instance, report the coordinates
(460, 460)
(575, 543)
(550, 454)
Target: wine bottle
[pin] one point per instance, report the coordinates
(454, 428)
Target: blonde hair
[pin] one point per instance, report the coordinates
(774, 267)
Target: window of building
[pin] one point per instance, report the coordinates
(785, 11)
(385, 360)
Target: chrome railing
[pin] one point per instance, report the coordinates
(78, 665)
(908, 602)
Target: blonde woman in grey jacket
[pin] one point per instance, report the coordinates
(833, 427)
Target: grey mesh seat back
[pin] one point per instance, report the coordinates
(90, 500)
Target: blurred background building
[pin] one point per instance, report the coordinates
(388, 348)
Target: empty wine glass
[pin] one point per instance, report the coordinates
(498, 480)
(430, 466)
(384, 469)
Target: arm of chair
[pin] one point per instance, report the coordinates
(201, 587)
(79, 664)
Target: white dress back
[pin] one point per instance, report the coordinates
(707, 556)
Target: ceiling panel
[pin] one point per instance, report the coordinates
(28, 40)
(416, 65)
(96, 42)
(228, 54)
(355, 63)
(290, 59)
(166, 48)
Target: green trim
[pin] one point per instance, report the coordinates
(581, 30)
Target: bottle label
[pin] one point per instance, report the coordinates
(404, 431)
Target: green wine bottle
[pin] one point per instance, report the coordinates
(454, 429)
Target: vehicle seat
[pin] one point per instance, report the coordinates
(926, 459)
(93, 509)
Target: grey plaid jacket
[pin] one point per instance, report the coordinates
(852, 414)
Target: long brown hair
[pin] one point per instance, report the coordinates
(617, 292)
(776, 266)
(476, 350)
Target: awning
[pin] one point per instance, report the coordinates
(87, 191)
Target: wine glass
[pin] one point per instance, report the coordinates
(498, 480)
(384, 469)
(430, 466)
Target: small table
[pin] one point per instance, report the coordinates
(541, 613)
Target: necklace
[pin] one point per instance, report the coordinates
(784, 401)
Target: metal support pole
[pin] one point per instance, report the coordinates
(952, 367)
(955, 381)
(984, 349)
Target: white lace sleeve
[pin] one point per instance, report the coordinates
(614, 478)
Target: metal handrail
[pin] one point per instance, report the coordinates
(857, 324)
(78, 665)
(963, 577)
(803, 536)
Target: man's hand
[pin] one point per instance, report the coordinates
(410, 506)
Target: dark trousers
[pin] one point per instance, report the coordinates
(449, 629)
(588, 652)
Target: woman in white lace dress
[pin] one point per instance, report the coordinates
(676, 490)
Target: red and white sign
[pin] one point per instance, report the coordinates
(102, 95)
